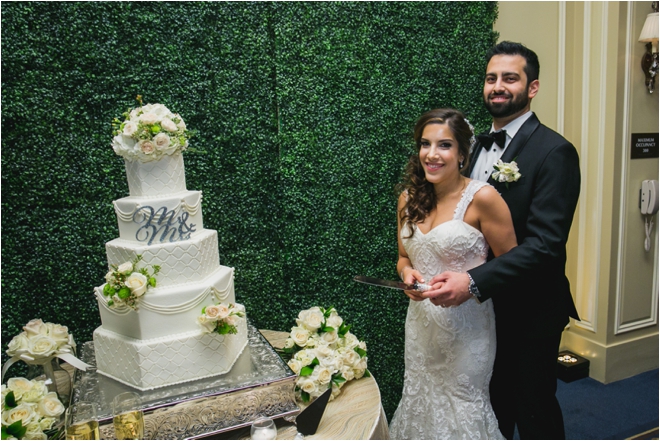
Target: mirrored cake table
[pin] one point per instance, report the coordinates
(259, 384)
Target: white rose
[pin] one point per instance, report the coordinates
(311, 319)
(351, 358)
(305, 356)
(47, 423)
(149, 118)
(299, 335)
(24, 412)
(295, 366)
(323, 375)
(230, 320)
(362, 345)
(324, 351)
(289, 343)
(334, 320)
(35, 327)
(50, 405)
(206, 324)
(180, 124)
(307, 385)
(42, 346)
(59, 333)
(347, 372)
(19, 386)
(330, 337)
(162, 141)
(110, 277)
(130, 128)
(36, 393)
(137, 283)
(350, 341)
(217, 312)
(125, 268)
(34, 432)
(147, 147)
(18, 344)
(168, 125)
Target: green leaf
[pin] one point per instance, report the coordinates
(307, 371)
(16, 429)
(304, 396)
(361, 352)
(367, 373)
(338, 379)
(10, 400)
(328, 329)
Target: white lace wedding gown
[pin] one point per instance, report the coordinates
(449, 352)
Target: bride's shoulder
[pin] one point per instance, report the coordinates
(484, 193)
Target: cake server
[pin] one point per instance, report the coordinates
(392, 284)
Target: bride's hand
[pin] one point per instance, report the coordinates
(410, 276)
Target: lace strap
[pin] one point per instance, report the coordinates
(472, 188)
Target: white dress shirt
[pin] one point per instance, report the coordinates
(487, 158)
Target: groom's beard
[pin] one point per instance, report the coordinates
(511, 107)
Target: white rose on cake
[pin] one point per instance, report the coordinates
(137, 283)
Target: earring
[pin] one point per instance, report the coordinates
(460, 165)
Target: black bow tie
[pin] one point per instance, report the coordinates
(487, 139)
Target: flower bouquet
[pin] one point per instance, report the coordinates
(221, 318)
(126, 284)
(29, 410)
(149, 132)
(323, 353)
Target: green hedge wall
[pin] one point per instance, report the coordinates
(304, 113)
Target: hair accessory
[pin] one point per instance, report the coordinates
(473, 140)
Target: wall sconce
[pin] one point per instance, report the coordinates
(649, 36)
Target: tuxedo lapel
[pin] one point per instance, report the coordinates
(520, 140)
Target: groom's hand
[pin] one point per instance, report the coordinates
(449, 289)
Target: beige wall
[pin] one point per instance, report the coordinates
(592, 91)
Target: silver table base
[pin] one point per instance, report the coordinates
(259, 384)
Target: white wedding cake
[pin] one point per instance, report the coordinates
(168, 309)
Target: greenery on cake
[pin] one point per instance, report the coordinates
(221, 318)
(126, 283)
(149, 132)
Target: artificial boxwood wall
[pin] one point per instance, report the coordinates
(303, 113)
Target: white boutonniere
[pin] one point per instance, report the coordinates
(506, 172)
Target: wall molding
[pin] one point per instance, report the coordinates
(561, 68)
(588, 299)
(619, 326)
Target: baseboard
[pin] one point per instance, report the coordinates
(614, 362)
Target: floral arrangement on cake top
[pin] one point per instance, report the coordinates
(221, 318)
(323, 353)
(29, 410)
(149, 132)
(126, 284)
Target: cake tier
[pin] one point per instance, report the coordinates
(154, 178)
(160, 219)
(167, 311)
(149, 364)
(180, 262)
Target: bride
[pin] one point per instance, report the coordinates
(447, 222)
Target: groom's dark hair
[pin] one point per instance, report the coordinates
(532, 66)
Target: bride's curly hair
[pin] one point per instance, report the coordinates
(421, 198)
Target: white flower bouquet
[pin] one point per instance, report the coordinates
(149, 132)
(323, 353)
(29, 411)
(221, 318)
(126, 284)
(40, 342)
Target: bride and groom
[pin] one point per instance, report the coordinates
(477, 369)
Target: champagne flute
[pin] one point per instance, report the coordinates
(80, 421)
(263, 428)
(128, 417)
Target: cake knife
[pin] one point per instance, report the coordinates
(392, 284)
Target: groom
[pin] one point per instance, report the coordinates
(528, 285)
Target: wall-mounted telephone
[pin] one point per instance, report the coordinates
(648, 198)
(648, 205)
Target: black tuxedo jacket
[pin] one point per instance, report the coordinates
(528, 284)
